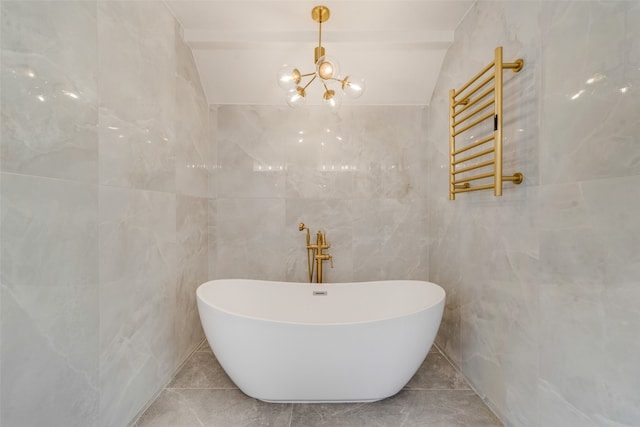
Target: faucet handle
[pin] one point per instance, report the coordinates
(331, 260)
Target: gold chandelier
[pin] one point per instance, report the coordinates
(327, 69)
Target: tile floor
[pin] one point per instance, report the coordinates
(201, 394)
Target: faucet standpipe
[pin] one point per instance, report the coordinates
(315, 255)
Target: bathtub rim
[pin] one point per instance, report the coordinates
(437, 301)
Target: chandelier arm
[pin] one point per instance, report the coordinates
(310, 81)
(307, 75)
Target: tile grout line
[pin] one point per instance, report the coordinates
(441, 390)
(435, 389)
(202, 388)
(291, 414)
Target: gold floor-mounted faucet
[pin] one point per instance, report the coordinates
(315, 256)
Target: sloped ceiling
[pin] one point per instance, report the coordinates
(397, 46)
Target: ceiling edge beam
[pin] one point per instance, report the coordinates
(226, 38)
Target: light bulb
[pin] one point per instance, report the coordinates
(288, 77)
(296, 97)
(327, 67)
(353, 87)
(332, 98)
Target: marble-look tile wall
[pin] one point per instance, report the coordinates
(359, 175)
(542, 284)
(49, 215)
(104, 141)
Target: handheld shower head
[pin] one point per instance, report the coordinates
(301, 227)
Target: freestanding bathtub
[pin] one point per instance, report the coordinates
(301, 342)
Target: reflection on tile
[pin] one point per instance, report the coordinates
(206, 407)
(437, 373)
(250, 158)
(192, 120)
(593, 109)
(49, 89)
(212, 158)
(137, 74)
(407, 408)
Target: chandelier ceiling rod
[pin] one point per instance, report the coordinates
(319, 14)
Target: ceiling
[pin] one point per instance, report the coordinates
(396, 46)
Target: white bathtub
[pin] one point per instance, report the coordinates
(301, 342)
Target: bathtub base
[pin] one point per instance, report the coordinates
(323, 401)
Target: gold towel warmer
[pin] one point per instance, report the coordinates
(464, 102)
